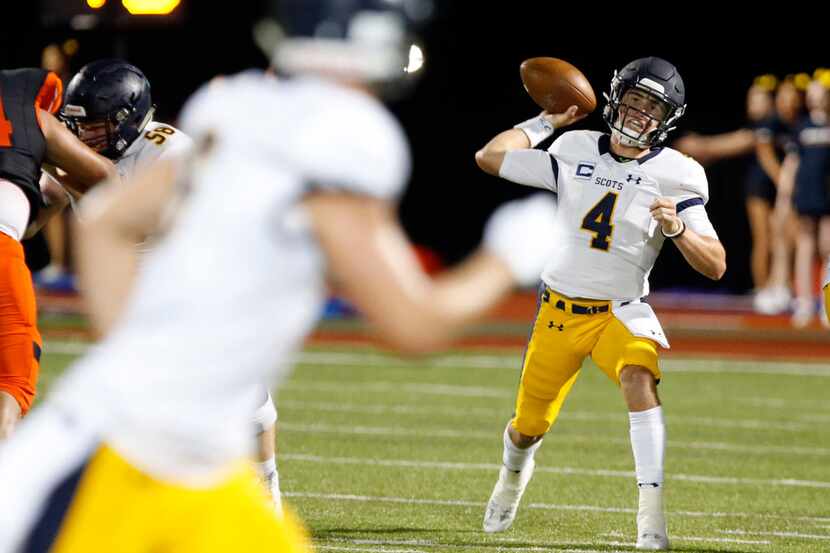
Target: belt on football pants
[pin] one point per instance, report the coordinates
(576, 308)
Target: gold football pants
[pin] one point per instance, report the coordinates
(565, 332)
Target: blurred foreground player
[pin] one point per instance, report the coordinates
(30, 136)
(620, 197)
(143, 444)
(109, 106)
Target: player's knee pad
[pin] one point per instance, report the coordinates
(265, 415)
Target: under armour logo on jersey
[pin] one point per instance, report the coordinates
(633, 178)
(560, 327)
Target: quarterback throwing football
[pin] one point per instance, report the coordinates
(620, 196)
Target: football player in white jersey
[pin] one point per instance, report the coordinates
(109, 106)
(620, 196)
(142, 444)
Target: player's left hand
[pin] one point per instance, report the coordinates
(664, 212)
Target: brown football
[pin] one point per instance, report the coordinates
(556, 85)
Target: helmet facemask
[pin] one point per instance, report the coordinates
(109, 135)
(635, 127)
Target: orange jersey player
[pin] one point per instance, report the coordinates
(30, 136)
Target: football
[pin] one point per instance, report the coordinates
(555, 85)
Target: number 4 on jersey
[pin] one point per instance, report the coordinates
(598, 221)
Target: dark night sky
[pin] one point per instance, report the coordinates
(471, 90)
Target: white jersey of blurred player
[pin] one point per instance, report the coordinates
(254, 180)
(158, 141)
(598, 260)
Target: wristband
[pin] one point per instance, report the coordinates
(537, 129)
(677, 234)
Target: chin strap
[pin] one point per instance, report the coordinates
(627, 141)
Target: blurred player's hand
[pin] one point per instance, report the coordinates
(664, 212)
(522, 233)
(569, 117)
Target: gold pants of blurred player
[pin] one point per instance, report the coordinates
(109, 506)
(566, 331)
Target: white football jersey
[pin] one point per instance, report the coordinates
(231, 291)
(609, 241)
(157, 141)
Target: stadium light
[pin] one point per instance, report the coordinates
(95, 4)
(149, 7)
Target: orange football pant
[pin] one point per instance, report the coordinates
(20, 342)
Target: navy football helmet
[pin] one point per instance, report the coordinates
(112, 96)
(659, 80)
(370, 41)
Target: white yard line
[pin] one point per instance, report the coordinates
(490, 542)
(494, 437)
(447, 465)
(724, 366)
(384, 387)
(466, 412)
(366, 549)
(540, 506)
(797, 535)
(513, 361)
(459, 390)
(381, 546)
(794, 404)
(675, 539)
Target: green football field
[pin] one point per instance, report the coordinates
(379, 454)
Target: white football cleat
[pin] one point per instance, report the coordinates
(504, 501)
(651, 522)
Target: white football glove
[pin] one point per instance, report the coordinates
(523, 233)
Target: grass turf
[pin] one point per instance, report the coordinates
(383, 455)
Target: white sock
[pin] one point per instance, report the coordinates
(267, 468)
(514, 458)
(271, 479)
(648, 442)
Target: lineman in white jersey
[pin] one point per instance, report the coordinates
(144, 434)
(108, 104)
(620, 197)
